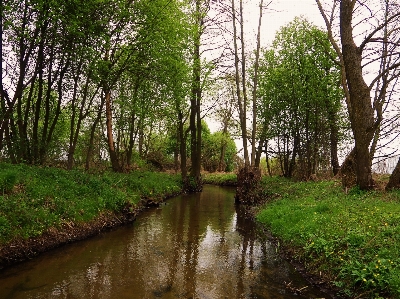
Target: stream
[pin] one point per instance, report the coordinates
(193, 246)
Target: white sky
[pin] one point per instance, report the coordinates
(279, 13)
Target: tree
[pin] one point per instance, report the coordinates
(300, 102)
(112, 66)
(194, 183)
(355, 56)
(246, 175)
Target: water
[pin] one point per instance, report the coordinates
(194, 246)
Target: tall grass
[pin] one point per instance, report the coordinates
(41, 198)
(353, 238)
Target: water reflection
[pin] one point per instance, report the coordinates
(195, 246)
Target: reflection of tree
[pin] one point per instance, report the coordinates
(192, 249)
(246, 228)
(176, 218)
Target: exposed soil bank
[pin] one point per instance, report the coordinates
(318, 280)
(23, 249)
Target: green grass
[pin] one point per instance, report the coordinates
(353, 238)
(40, 198)
(226, 179)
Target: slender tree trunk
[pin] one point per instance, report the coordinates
(9, 143)
(182, 151)
(241, 103)
(222, 164)
(333, 136)
(334, 148)
(132, 137)
(38, 104)
(72, 144)
(255, 83)
(89, 153)
(267, 161)
(110, 138)
(140, 138)
(292, 163)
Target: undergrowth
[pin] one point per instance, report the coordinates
(34, 199)
(225, 179)
(353, 238)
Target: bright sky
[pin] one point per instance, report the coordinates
(281, 12)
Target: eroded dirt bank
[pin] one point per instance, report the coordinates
(23, 249)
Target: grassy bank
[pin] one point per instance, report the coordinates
(221, 179)
(352, 239)
(34, 200)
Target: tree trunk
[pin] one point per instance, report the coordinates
(361, 112)
(194, 184)
(394, 180)
(182, 136)
(241, 103)
(348, 171)
(222, 164)
(334, 149)
(74, 131)
(110, 139)
(255, 82)
(92, 133)
(132, 137)
(38, 104)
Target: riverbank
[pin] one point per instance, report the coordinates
(347, 242)
(351, 240)
(43, 208)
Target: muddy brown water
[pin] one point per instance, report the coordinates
(193, 246)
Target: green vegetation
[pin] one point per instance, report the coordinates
(37, 199)
(300, 100)
(353, 238)
(223, 179)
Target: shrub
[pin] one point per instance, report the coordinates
(8, 180)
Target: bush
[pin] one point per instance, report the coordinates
(8, 180)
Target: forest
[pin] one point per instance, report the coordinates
(116, 83)
(127, 102)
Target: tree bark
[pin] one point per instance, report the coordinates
(241, 103)
(361, 113)
(195, 102)
(255, 83)
(394, 180)
(92, 135)
(110, 139)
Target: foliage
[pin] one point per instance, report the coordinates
(222, 179)
(62, 57)
(352, 238)
(213, 144)
(300, 101)
(50, 197)
(8, 179)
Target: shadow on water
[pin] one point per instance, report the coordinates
(194, 246)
